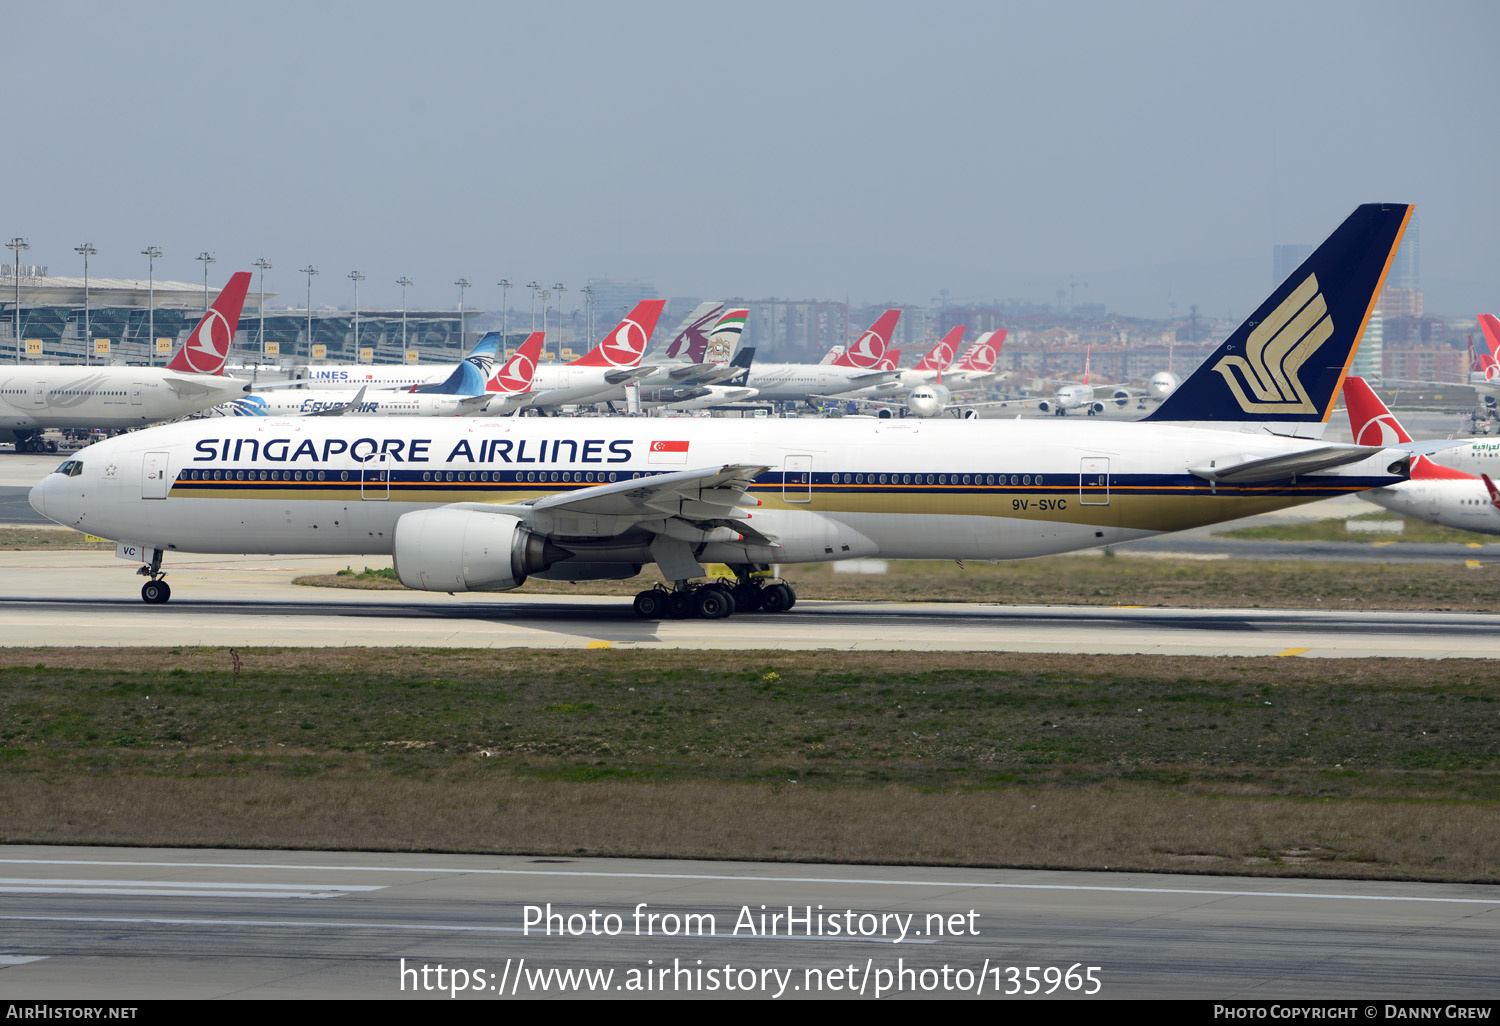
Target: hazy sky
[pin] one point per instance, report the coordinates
(881, 151)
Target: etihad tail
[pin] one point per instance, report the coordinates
(623, 346)
(516, 374)
(941, 355)
(207, 347)
(869, 349)
(724, 340)
(1281, 370)
(1373, 423)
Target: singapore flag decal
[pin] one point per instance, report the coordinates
(668, 452)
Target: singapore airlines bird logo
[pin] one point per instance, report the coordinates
(1267, 378)
(208, 348)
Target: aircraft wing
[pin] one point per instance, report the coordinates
(197, 384)
(1242, 469)
(625, 375)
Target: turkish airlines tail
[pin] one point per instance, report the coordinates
(868, 350)
(1489, 353)
(207, 347)
(515, 376)
(623, 346)
(941, 355)
(983, 353)
(1374, 424)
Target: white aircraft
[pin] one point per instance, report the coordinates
(977, 366)
(602, 371)
(33, 399)
(1084, 396)
(482, 504)
(1435, 493)
(858, 367)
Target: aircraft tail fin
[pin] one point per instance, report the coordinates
(1374, 424)
(1489, 353)
(472, 372)
(868, 350)
(624, 345)
(516, 375)
(983, 353)
(207, 347)
(724, 340)
(1281, 371)
(690, 339)
(941, 355)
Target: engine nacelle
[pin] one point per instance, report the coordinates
(1121, 397)
(465, 550)
(1044, 406)
(1096, 407)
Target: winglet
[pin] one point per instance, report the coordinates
(1282, 370)
(207, 347)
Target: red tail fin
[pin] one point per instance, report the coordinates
(868, 350)
(941, 355)
(982, 355)
(207, 347)
(515, 376)
(1374, 424)
(1489, 353)
(623, 346)
(1369, 419)
(891, 359)
(1490, 487)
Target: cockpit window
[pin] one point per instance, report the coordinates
(72, 468)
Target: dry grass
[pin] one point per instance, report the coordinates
(30, 539)
(1375, 768)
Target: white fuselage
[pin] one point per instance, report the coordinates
(833, 489)
(794, 381)
(1451, 502)
(372, 403)
(36, 398)
(1475, 456)
(567, 384)
(353, 375)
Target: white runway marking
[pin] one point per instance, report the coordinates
(22, 959)
(1185, 891)
(179, 888)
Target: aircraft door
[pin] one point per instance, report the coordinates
(39, 394)
(796, 479)
(154, 482)
(135, 393)
(375, 478)
(1093, 481)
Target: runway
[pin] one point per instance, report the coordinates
(250, 601)
(149, 923)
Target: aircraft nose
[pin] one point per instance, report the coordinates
(38, 495)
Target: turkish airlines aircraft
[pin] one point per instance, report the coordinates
(1435, 493)
(858, 367)
(482, 504)
(596, 375)
(33, 399)
(977, 367)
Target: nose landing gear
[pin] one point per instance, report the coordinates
(156, 590)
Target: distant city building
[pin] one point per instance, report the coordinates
(975, 318)
(1406, 268)
(1286, 258)
(1426, 363)
(794, 331)
(1396, 303)
(614, 299)
(1369, 361)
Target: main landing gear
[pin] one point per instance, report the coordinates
(714, 600)
(156, 590)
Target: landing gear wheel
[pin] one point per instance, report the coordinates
(679, 605)
(777, 598)
(650, 604)
(155, 592)
(746, 598)
(712, 603)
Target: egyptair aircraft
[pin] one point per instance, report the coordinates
(483, 504)
(1435, 493)
(33, 399)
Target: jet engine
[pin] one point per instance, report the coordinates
(1121, 397)
(467, 550)
(1045, 406)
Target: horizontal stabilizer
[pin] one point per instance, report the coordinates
(1240, 469)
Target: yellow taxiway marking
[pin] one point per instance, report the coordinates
(1472, 563)
(1291, 652)
(600, 644)
(1383, 544)
(1474, 545)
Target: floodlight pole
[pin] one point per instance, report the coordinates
(561, 288)
(462, 284)
(404, 282)
(309, 270)
(151, 253)
(264, 265)
(207, 259)
(18, 244)
(356, 277)
(504, 284)
(88, 250)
